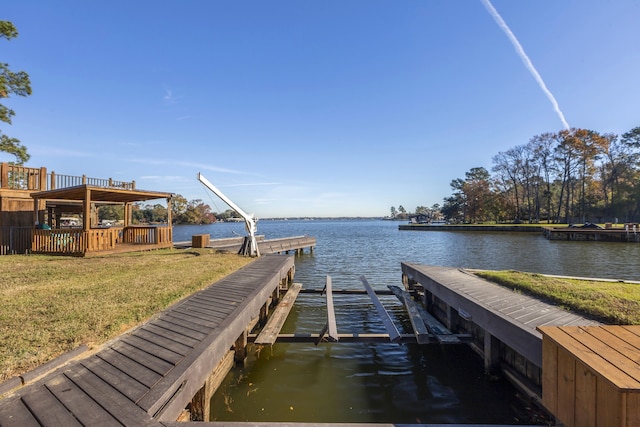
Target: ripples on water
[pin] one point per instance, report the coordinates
(388, 382)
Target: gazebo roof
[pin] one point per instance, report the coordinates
(100, 194)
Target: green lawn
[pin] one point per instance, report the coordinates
(50, 305)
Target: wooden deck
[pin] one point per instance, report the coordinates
(271, 246)
(149, 376)
(618, 234)
(509, 316)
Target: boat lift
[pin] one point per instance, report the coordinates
(249, 245)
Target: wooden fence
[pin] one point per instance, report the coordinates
(15, 240)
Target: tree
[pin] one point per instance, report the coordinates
(16, 83)
(542, 147)
(394, 212)
(111, 212)
(477, 192)
(421, 210)
(178, 207)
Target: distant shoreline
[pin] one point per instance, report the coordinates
(467, 227)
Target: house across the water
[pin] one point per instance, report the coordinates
(48, 213)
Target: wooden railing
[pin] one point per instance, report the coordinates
(15, 240)
(17, 177)
(75, 241)
(62, 181)
(68, 241)
(103, 239)
(145, 235)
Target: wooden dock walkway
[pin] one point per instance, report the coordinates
(510, 317)
(271, 246)
(148, 376)
(618, 234)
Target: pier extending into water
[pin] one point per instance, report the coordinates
(502, 322)
(626, 233)
(295, 244)
(153, 373)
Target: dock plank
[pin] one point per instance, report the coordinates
(270, 332)
(187, 323)
(13, 413)
(332, 326)
(417, 323)
(190, 318)
(48, 410)
(394, 335)
(154, 348)
(132, 368)
(144, 358)
(211, 316)
(205, 304)
(125, 384)
(212, 312)
(171, 341)
(84, 408)
(109, 398)
(194, 335)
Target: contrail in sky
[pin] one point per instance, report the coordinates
(527, 62)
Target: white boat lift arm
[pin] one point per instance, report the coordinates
(250, 246)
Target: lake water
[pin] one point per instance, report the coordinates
(389, 382)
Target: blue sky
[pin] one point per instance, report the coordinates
(296, 108)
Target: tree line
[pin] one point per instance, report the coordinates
(574, 175)
(183, 211)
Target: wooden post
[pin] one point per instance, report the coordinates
(52, 184)
(240, 347)
(84, 179)
(264, 313)
(200, 408)
(86, 209)
(42, 184)
(452, 318)
(127, 214)
(35, 210)
(491, 353)
(169, 215)
(4, 175)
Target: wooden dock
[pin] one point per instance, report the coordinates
(149, 376)
(503, 322)
(271, 246)
(628, 233)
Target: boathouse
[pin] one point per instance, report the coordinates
(33, 203)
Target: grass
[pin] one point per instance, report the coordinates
(50, 305)
(607, 301)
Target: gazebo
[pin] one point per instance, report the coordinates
(93, 238)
